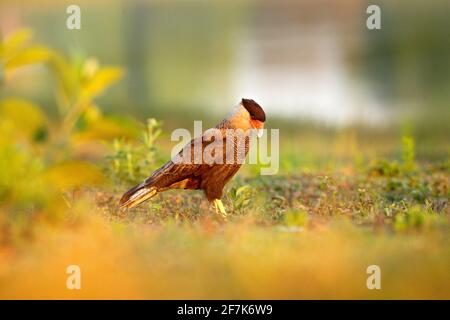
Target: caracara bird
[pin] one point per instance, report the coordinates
(200, 165)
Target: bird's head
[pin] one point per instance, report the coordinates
(248, 115)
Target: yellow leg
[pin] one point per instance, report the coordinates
(220, 209)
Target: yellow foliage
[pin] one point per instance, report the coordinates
(25, 117)
(104, 128)
(101, 80)
(28, 56)
(68, 81)
(14, 42)
(72, 174)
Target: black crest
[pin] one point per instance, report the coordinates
(255, 110)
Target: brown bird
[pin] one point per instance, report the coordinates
(207, 166)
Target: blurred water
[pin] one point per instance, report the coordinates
(302, 73)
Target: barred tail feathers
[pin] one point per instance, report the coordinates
(137, 195)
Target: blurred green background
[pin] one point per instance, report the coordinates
(313, 65)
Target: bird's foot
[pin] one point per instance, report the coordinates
(220, 209)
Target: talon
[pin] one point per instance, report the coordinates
(220, 208)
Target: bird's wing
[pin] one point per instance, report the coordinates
(190, 161)
(180, 172)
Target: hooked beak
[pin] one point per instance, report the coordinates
(258, 126)
(259, 132)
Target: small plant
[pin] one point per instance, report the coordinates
(415, 218)
(408, 154)
(407, 165)
(241, 198)
(120, 165)
(39, 154)
(132, 163)
(150, 135)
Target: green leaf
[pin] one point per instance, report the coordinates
(242, 190)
